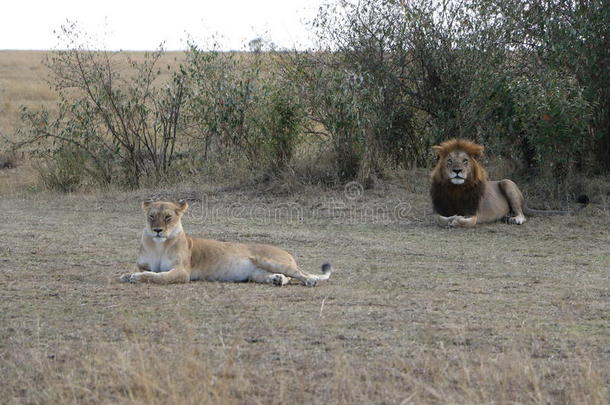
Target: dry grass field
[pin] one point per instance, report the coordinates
(24, 82)
(413, 314)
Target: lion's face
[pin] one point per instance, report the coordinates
(163, 219)
(457, 167)
(458, 163)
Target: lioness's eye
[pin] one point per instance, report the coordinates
(168, 218)
(449, 162)
(465, 161)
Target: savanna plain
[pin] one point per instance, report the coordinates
(412, 314)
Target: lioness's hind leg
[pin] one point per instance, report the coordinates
(263, 276)
(285, 269)
(515, 201)
(290, 269)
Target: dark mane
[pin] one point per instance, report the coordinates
(449, 199)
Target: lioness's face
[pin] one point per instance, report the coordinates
(457, 166)
(163, 218)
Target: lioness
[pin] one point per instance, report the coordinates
(462, 196)
(168, 255)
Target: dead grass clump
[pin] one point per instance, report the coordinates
(142, 370)
(459, 377)
(135, 372)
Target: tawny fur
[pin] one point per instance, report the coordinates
(168, 255)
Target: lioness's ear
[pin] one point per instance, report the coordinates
(146, 205)
(182, 207)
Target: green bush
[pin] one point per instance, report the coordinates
(553, 115)
(388, 80)
(517, 76)
(242, 109)
(570, 37)
(281, 122)
(123, 127)
(337, 102)
(63, 170)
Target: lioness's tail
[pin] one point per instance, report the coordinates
(583, 200)
(327, 269)
(313, 279)
(290, 271)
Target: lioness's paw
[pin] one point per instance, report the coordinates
(279, 280)
(132, 278)
(312, 282)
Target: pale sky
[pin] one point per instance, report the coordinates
(143, 25)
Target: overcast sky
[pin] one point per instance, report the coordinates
(143, 25)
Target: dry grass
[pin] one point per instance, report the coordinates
(413, 314)
(24, 82)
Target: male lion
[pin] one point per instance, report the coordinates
(462, 195)
(168, 255)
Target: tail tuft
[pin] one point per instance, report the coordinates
(327, 268)
(583, 199)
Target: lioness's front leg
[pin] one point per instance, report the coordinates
(175, 275)
(463, 222)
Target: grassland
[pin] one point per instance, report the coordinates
(413, 313)
(24, 81)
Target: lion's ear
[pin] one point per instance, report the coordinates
(182, 207)
(438, 149)
(146, 205)
(477, 151)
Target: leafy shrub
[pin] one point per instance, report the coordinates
(63, 170)
(552, 115)
(398, 77)
(362, 63)
(336, 101)
(241, 109)
(282, 118)
(388, 79)
(123, 127)
(570, 37)
(510, 74)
